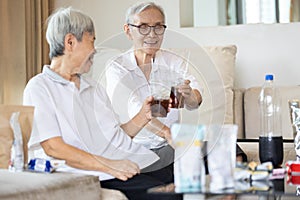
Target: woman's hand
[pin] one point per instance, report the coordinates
(146, 108)
(122, 169)
(133, 126)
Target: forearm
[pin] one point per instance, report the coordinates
(77, 158)
(74, 157)
(194, 100)
(155, 126)
(139, 120)
(133, 126)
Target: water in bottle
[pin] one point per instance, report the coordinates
(270, 139)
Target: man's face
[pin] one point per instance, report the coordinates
(150, 43)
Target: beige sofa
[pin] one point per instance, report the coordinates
(214, 67)
(246, 115)
(242, 104)
(29, 185)
(223, 103)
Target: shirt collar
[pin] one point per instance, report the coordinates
(54, 76)
(57, 78)
(131, 63)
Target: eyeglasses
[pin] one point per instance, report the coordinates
(145, 29)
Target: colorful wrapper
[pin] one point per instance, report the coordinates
(40, 165)
(295, 118)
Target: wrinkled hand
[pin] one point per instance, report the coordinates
(190, 98)
(185, 89)
(146, 108)
(122, 169)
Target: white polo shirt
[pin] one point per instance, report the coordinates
(127, 88)
(84, 118)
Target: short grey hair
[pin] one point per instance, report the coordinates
(140, 7)
(62, 22)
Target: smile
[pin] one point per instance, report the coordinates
(151, 43)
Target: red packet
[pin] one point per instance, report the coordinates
(293, 168)
(294, 180)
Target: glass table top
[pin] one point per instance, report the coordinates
(286, 187)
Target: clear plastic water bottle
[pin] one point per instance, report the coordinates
(270, 139)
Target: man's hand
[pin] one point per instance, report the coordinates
(192, 98)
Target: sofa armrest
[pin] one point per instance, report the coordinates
(238, 111)
(57, 185)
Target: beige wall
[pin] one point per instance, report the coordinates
(109, 15)
(262, 48)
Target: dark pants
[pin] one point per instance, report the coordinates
(166, 157)
(136, 187)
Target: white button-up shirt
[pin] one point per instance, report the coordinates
(83, 117)
(127, 88)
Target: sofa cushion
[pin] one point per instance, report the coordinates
(224, 59)
(213, 67)
(252, 122)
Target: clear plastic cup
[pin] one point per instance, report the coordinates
(221, 156)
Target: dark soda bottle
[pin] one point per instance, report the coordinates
(270, 139)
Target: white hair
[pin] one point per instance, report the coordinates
(140, 7)
(62, 22)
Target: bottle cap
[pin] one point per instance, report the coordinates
(269, 77)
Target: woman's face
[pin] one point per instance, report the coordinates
(150, 43)
(84, 52)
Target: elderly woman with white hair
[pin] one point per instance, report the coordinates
(73, 117)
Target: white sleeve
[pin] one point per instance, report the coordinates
(119, 89)
(45, 121)
(113, 76)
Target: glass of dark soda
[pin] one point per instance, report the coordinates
(177, 98)
(159, 107)
(161, 98)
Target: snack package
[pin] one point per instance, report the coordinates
(44, 165)
(295, 118)
(17, 154)
(189, 170)
(25, 120)
(40, 165)
(293, 167)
